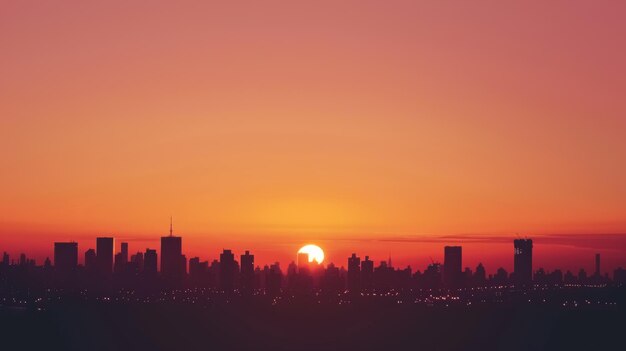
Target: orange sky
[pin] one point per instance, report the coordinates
(269, 124)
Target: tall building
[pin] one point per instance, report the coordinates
(150, 260)
(367, 273)
(452, 266)
(121, 259)
(104, 255)
(354, 273)
(90, 260)
(124, 253)
(597, 265)
(480, 276)
(173, 265)
(523, 261)
(247, 271)
(303, 263)
(273, 280)
(65, 257)
(137, 260)
(227, 270)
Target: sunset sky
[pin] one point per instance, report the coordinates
(381, 127)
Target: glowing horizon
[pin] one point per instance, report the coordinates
(351, 124)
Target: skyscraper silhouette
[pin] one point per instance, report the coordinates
(137, 261)
(523, 261)
(121, 258)
(303, 263)
(452, 266)
(354, 273)
(90, 260)
(150, 260)
(104, 254)
(65, 257)
(247, 271)
(124, 252)
(172, 260)
(227, 270)
(367, 273)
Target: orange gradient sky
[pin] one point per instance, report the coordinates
(266, 125)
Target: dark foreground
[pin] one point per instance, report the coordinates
(312, 327)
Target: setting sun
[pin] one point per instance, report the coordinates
(315, 253)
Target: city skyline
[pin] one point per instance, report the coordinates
(173, 246)
(556, 251)
(357, 121)
(312, 175)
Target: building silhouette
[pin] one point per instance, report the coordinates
(354, 273)
(274, 280)
(137, 261)
(104, 255)
(150, 259)
(452, 266)
(173, 263)
(304, 266)
(121, 259)
(228, 270)
(247, 271)
(480, 275)
(198, 271)
(523, 261)
(367, 273)
(91, 260)
(65, 257)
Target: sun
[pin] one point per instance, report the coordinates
(315, 253)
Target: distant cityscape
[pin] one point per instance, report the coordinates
(104, 270)
(161, 300)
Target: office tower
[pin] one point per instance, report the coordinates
(5, 259)
(247, 271)
(65, 257)
(198, 271)
(104, 255)
(501, 277)
(523, 261)
(171, 252)
(354, 273)
(90, 260)
(137, 260)
(597, 265)
(173, 265)
(303, 263)
(274, 279)
(331, 280)
(124, 252)
(150, 260)
(452, 266)
(194, 264)
(227, 270)
(121, 259)
(480, 275)
(367, 273)
(214, 274)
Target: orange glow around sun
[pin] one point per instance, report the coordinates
(315, 253)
